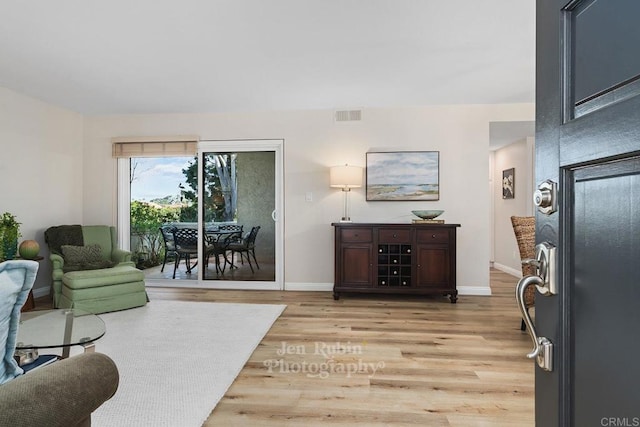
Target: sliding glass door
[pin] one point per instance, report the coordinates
(226, 200)
(241, 184)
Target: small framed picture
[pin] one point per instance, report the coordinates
(509, 183)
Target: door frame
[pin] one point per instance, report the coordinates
(238, 146)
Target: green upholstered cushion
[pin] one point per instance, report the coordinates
(96, 278)
(88, 257)
(101, 235)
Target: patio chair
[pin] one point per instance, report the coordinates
(246, 247)
(169, 244)
(186, 241)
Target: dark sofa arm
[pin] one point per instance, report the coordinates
(64, 393)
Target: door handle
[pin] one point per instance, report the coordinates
(273, 215)
(545, 282)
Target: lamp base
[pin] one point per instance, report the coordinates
(345, 220)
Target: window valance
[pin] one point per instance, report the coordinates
(159, 146)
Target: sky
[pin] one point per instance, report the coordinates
(158, 177)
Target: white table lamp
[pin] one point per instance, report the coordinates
(345, 177)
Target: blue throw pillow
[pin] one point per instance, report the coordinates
(16, 280)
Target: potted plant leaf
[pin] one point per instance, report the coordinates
(9, 233)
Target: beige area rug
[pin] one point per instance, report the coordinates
(177, 359)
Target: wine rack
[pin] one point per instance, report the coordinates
(394, 265)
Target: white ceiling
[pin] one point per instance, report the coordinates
(163, 56)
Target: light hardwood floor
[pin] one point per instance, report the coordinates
(436, 363)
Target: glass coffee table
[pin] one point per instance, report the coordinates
(60, 328)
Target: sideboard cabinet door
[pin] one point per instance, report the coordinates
(433, 267)
(354, 258)
(357, 264)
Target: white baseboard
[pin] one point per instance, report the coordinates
(213, 284)
(474, 290)
(507, 269)
(270, 286)
(315, 287)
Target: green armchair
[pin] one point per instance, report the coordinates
(64, 393)
(90, 272)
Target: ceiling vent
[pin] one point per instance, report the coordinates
(348, 116)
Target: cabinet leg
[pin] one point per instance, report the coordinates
(454, 297)
(336, 296)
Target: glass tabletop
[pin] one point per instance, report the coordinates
(58, 328)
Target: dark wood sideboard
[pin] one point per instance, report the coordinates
(395, 259)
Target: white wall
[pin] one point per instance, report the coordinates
(56, 168)
(40, 169)
(313, 142)
(518, 155)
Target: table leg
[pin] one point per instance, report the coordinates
(68, 327)
(30, 304)
(89, 347)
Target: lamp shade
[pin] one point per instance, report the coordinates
(345, 176)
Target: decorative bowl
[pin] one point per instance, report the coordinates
(427, 214)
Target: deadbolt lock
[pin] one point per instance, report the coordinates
(546, 197)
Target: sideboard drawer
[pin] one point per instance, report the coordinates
(356, 235)
(392, 235)
(433, 236)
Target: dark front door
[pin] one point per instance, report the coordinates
(588, 141)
